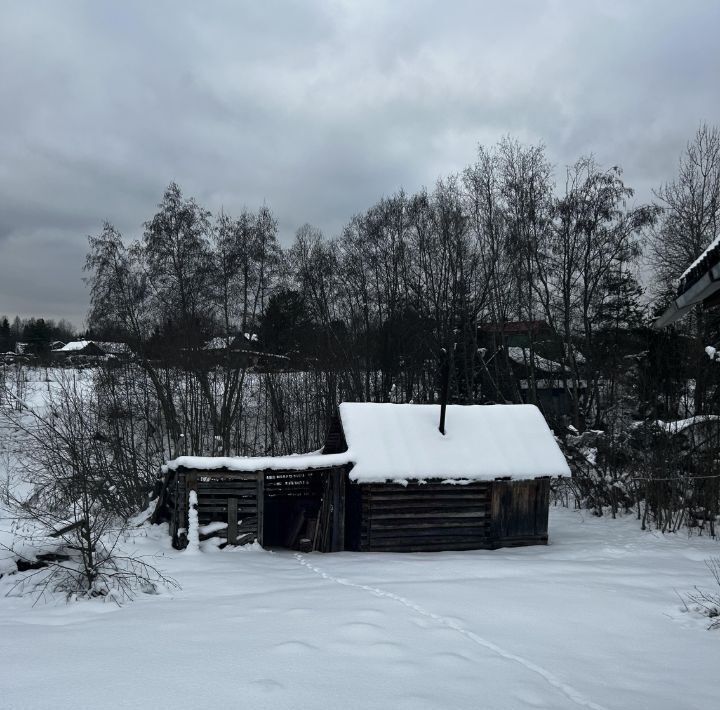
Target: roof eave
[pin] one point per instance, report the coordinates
(700, 291)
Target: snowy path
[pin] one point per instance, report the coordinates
(591, 621)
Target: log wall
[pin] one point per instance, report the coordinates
(419, 517)
(438, 516)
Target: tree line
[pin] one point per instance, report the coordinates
(409, 280)
(38, 333)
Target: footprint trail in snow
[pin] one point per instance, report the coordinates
(567, 690)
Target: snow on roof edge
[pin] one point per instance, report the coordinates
(714, 243)
(295, 462)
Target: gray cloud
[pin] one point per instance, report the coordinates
(317, 108)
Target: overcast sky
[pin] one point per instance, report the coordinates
(316, 108)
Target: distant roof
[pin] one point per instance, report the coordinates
(219, 342)
(513, 327)
(522, 357)
(107, 347)
(225, 342)
(482, 442)
(75, 345)
(401, 442)
(682, 424)
(700, 265)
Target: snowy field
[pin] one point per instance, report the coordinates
(590, 621)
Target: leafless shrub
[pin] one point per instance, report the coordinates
(70, 526)
(708, 602)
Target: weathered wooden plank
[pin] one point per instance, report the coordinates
(210, 508)
(337, 537)
(449, 546)
(440, 488)
(69, 528)
(260, 506)
(226, 492)
(443, 498)
(246, 487)
(522, 542)
(431, 533)
(244, 523)
(430, 514)
(430, 490)
(220, 500)
(429, 495)
(424, 508)
(439, 483)
(476, 518)
(436, 524)
(204, 475)
(481, 541)
(232, 520)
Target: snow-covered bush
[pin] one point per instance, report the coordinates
(602, 471)
(708, 602)
(49, 563)
(665, 472)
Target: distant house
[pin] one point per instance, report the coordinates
(231, 342)
(78, 347)
(550, 379)
(91, 350)
(219, 343)
(21, 348)
(242, 351)
(386, 480)
(121, 350)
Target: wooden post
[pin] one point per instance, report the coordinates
(260, 506)
(337, 486)
(232, 521)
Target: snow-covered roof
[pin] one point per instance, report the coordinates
(713, 244)
(522, 357)
(682, 424)
(481, 442)
(400, 442)
(75, 345)
(219, 342)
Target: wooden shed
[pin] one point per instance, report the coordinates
(386, 480)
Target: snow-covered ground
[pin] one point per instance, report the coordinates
(592, 620)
